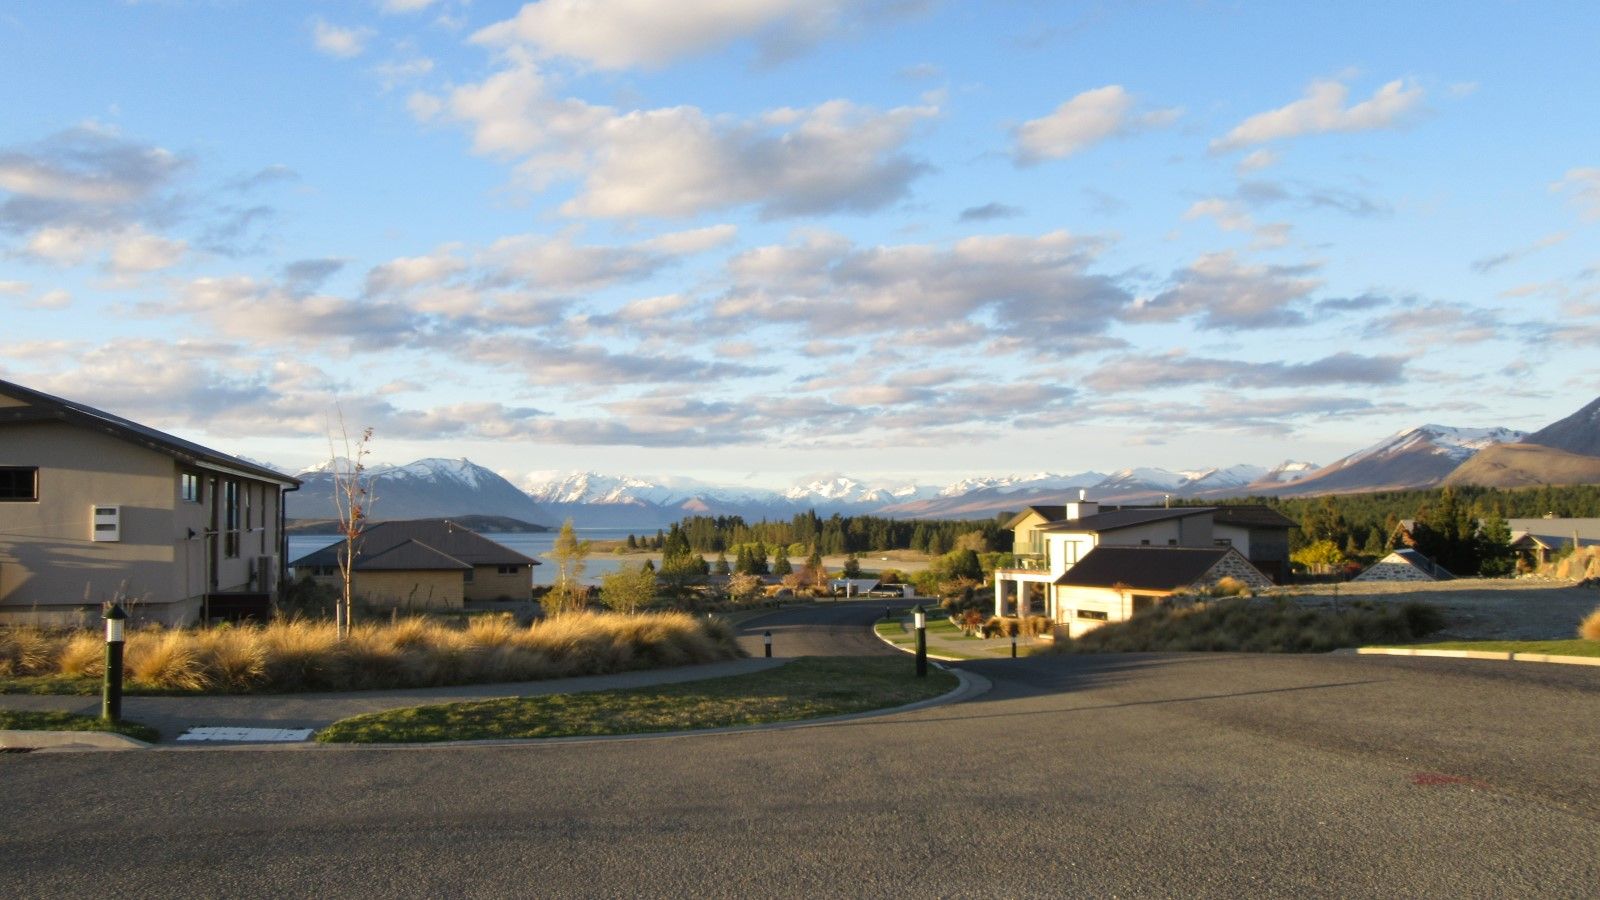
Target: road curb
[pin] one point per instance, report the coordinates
(1500, 655)
(68, 741)
(911, 650)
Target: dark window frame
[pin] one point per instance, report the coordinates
(10, 492)
(191, 487)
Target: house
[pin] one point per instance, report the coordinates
(94, 507)
(424, 563)
(1539, 540)
(1112, 583)
(1051, 542)
(1405, 564)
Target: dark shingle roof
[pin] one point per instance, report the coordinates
(43, 407)
(439, 537)
(1251, 517)
(407, 557)
(1126, 518)
(1146, 568)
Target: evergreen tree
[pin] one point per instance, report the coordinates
(852, 567)
(722, 564)
(781, 566)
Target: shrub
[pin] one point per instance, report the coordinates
(1589, 630)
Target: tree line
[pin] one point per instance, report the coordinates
(835, 535)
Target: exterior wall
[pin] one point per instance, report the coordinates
(1022, 535)
(439, 590)
(1159, 534)
(51, 572)
(1393, 568)
(49, 564)
(1066, 548)
(1237, 536)
(488, 584)
(1118, 606)
(1236, 567)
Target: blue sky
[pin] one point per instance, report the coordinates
(745, 241)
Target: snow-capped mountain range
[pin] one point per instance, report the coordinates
(1413, 458)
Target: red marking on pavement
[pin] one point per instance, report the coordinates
(1434, 779)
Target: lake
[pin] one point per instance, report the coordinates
(537, 545)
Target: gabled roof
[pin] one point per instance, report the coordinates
(431, 538)
(1048, 513)
(43, 407)
(1126, 518)
(1144, 568)
(1251, 517)
(409, 556)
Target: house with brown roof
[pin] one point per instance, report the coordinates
(1049, 550)
(424, 563)
(95, 507)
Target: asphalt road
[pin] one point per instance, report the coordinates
(1162, 776)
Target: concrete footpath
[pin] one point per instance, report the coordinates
(173, 716)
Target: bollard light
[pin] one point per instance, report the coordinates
(766, 639)
(920, 618)
(1013, 645)
(111, 688)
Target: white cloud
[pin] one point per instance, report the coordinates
(137, 251)
(1323, 110)
(55, 299)
(344, 43)
(679, 161)
(1227, 294)
(1083, 121)
(1256, 160)
(406, 6)
(1230, 216)
(624, 34)
(1582, 185)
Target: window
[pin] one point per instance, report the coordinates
(1223, 542)
(19, 483)
(1172, 542)
(1144, 543)
(189, 487)
(467, 576)
(230, 519)
(510, 570)
(1094, 615)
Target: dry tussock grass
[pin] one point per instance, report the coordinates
(302, 655)
(1589, 628)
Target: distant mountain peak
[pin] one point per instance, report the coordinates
(1578, 433)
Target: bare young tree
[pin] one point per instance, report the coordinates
(352, 501)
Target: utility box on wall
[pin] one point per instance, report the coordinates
(107, 523)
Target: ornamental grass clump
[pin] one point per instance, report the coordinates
(302, 655)
(1589, 629)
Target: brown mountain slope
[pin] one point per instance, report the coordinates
(1525, 465)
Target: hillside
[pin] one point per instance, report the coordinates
(1525, 465)
(1415, 458)
(480, 524)
(1578, 433)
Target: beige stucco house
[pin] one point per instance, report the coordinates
(1051, 542)
(424, 563)
(94, 507)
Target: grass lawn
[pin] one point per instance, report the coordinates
(52, 684)
(1572, 647)
(20, 720)
(895, 631)
(808, 688)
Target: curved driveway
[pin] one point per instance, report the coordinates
(1172, 776)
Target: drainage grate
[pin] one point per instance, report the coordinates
(251, 735)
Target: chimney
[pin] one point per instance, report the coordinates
(1083, 506)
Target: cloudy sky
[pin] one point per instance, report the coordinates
(744, 240)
